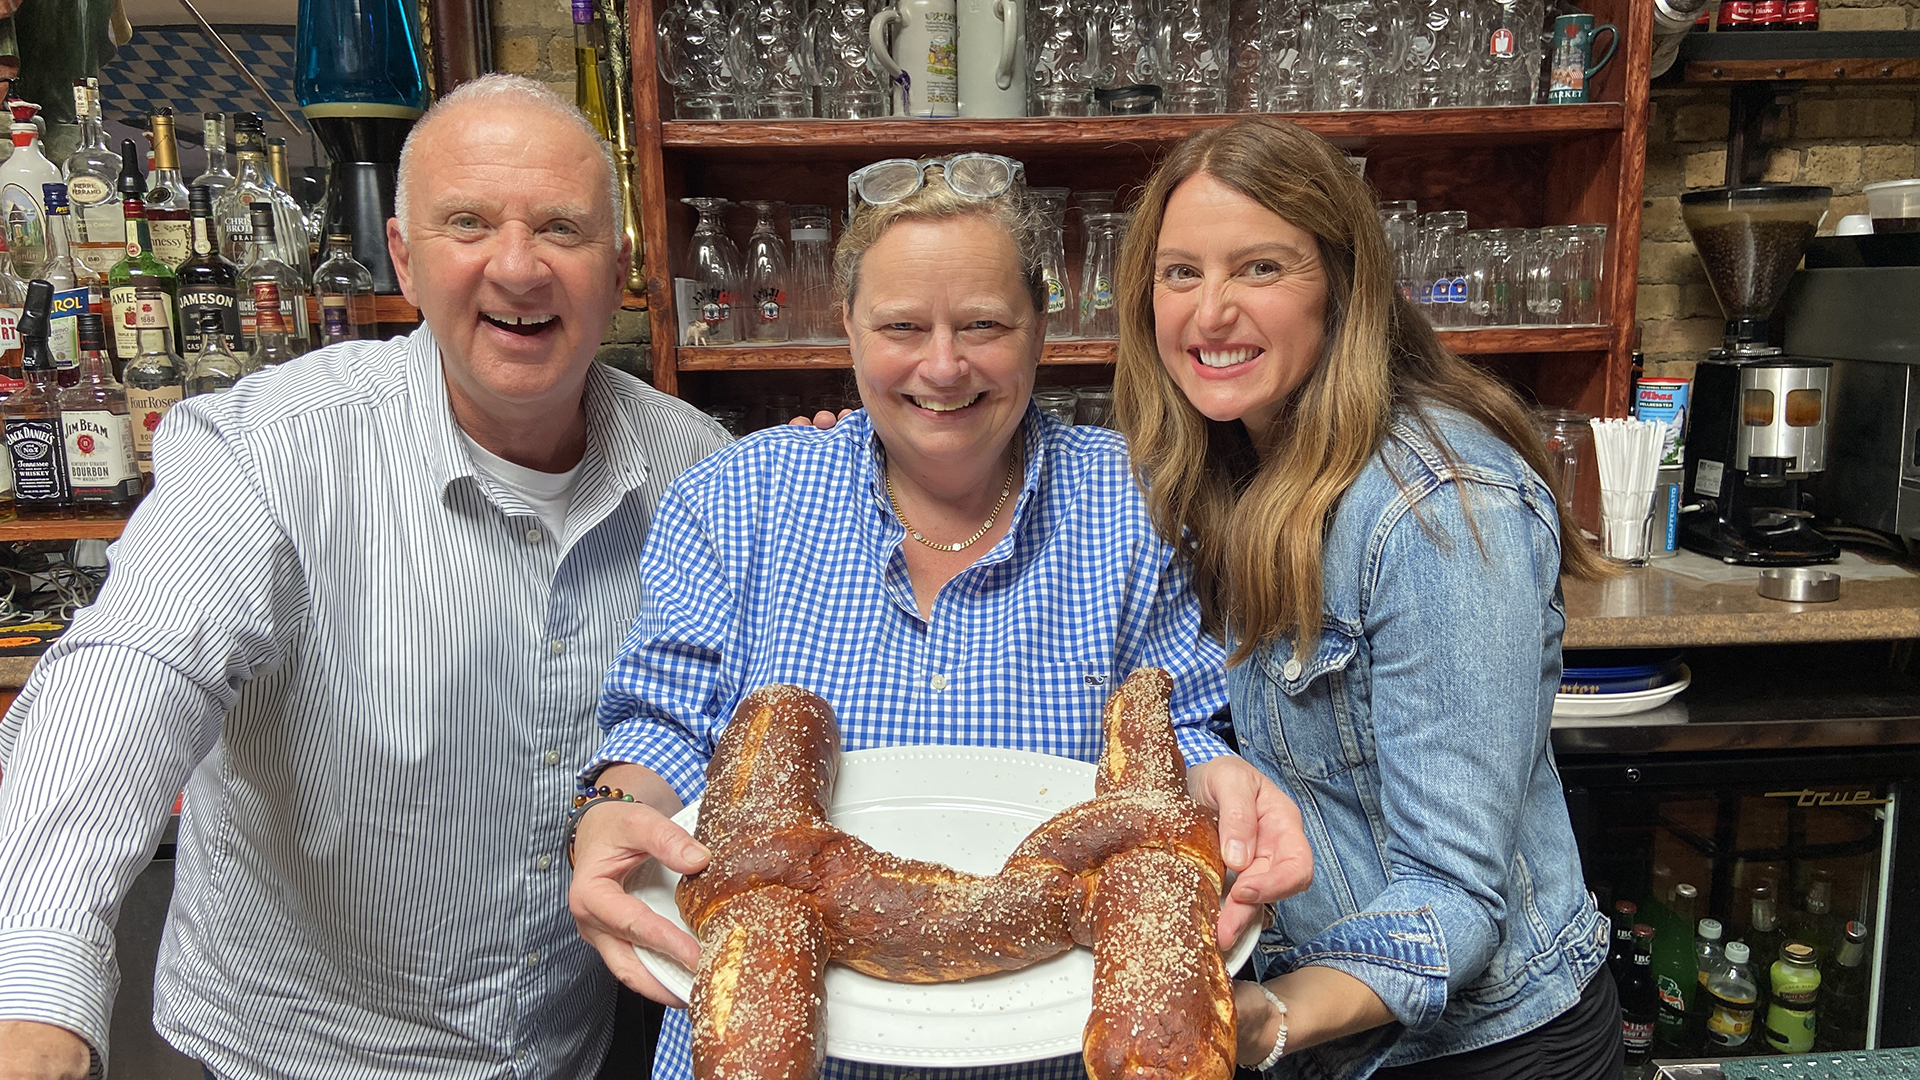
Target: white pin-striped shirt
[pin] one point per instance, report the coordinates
(380, 670)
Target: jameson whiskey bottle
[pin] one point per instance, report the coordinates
(206, 281)
(30, 418)
(154, 377)
(139, 269)
(101, 467)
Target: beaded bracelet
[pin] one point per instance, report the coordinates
(586, 801)
(1280, 1040)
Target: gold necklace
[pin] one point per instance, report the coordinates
(1006, 489)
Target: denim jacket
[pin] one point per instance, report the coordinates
(1413, 736)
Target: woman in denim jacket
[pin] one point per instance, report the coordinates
(1372, 537)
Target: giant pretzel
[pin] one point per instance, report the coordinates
(1134, 872)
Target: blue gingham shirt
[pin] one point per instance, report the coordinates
(378, 668)
(779, 560)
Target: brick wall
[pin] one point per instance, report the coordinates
(1843, 137)
(535, 38)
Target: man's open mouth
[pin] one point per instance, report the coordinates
(523, 325)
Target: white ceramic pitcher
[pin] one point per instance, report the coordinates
(924, 61)
(993, 58)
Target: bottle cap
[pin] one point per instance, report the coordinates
(55, 196)
(200, 199)
(1626, 907)
(1856, 931)
(261, 213)
(1642, 930)
(1738, 953)
(1686, 891)
(132, 182)
(93, 332)
(1710, 929)
(33, 316)
(1798, 952)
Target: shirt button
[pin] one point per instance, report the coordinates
(520, 1054)
(543, 862)
(551, 757)
(534, 536)
(938, 682)
(1291, 669)
(533, 958)
(556, 646)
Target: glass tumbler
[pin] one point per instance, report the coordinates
(1094, 406)
(714, 265)
(697, 58)
(768, 314)
(1062, 42)
(1443, 275)
(1286, 43)
(1401, 221)
(776, 71)
(1098, 319)
(1569, 439)
(1498, 279)
(1056, 402)
(1545, 298)
(1583, 262)
(1194, 55)
(1356, 46)
(1511, 50)
(852, 86)
(1051, 202)
(811, 277)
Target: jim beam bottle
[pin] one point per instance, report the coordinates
(155, 381)
(101, 467)
(166, 202)
(207, 281)
(30, 418)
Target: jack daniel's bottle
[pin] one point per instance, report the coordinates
(30, 417)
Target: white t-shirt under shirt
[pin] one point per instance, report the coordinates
(549, 494)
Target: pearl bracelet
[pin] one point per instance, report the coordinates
(1279, 1040)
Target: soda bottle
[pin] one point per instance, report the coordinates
(1708, 960)
(1814, 924)
(1639, 1000)
(1843, 994)
(1734, 996)
(1765, 938)
(1674, 971)
(1790, 1008)
(1621, 957)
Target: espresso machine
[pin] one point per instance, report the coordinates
(1758, 417)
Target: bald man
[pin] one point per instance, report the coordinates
(362, 618)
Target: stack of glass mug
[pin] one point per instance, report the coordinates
(1465, 277)
(776, 293)
(793, 59)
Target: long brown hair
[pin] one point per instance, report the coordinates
(1254, 525)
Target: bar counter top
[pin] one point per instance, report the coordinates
(1677, 602)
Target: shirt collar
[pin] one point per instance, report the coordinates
(1033, 442)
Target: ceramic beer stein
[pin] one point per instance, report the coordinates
(924, 60)
(1572, 48)
(993, 58)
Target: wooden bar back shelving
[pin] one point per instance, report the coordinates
(1526, 166)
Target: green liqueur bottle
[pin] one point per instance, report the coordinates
(139, 269)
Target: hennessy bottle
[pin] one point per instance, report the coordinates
(166, 202)
(101, 467)
(30, 418)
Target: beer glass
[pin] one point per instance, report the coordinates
(1062, 40)
(1401, 222)
(713, 264)
(1051, 204)
(769, 310)
(1440, 39)
(1098, 318)
(776, 71)
(1511, 50)
(1545, 298)
(1194, 45)
(851, 84)
(1286, 42)
(697, 47)
(1129, 45)
(1356, 44)
(1582, 265)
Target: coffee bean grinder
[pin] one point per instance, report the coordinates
(1758, 424)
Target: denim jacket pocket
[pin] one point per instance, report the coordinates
(1312, 712)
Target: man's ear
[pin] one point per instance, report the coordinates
(397, 251)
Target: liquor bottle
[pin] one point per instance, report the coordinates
(214, 368)
(1625, 914)
(1639, 999)
(272, 344)
(76, 288)
(1733, 996)
(13, 302)
(265, 265)
(255, 184)
(1708, 959)
(1844, 991)
(155, 379)
(23, 180)
(1814, 924)
(217, 178)
(91, 170)
(30, 418)
(345, 289)
(1790, 1008)
(1673, 971)
(1764, 937)
(282, 178)
(166, 203)
(590, 66)
(207, 282)
(139, 269)
(101, 469)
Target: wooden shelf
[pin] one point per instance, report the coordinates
(1487, 342)
(61, 529)
(1037, 137)
(1867, 56)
